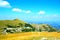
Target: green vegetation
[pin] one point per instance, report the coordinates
(17, 26)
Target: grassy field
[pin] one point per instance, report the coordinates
(32, 36)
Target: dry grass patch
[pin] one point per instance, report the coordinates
(31, 36)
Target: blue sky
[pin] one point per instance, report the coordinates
(30, 10)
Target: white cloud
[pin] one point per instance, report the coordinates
(4, 4)
(20, 10)
(42, 12)
(16, 10)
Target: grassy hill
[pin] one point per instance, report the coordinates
(15, 22)
(17, 26)
(12, 23)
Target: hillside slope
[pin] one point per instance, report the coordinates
(17, 26)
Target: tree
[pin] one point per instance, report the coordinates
(28, 25)
(20, 24)
(10, 26)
